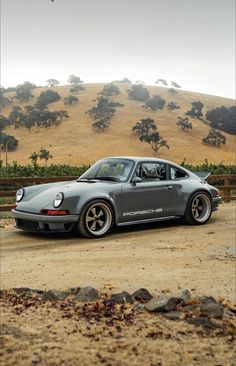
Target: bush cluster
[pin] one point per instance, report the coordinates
(15, 170)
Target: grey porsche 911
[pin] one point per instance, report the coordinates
(116, 191)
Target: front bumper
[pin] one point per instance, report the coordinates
(215, 202)
(44, 223)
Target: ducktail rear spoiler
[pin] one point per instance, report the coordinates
(202, 174)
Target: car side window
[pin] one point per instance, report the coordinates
(151, 171)
(176, 173)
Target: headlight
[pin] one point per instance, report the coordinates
(19, 194)
(58, 200)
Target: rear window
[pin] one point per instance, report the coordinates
(176, 173)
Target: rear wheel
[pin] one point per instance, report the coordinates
(199, 209)
(96, 219)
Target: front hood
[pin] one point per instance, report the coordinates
(42, 196)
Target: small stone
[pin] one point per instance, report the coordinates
(37, 291)
(206, 299)
(168, 302)
(174, 315)
(185, 295)
(21, 290)
(75, 290)
(163, 303)
(54, 295)
(232, 307)
(191, 308)
(228, 313)
(121, 298)
(2, 293)
(206, 323)
(87, 294)
(212, 310)
(139, 308)
(26, 291)
(142, 295)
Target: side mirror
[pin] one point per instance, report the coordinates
(136, 180)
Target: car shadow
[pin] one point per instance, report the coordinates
(158, 225)
(54, 240)
(116, 231)
(147, 226)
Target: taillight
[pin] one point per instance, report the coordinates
(54, 212)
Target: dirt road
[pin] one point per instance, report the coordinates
(158, 256)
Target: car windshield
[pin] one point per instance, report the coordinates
(117, 170)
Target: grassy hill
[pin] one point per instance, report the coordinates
(74, 142)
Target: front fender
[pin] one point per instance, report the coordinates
(106, 197)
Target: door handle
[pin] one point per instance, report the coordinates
(167, 188)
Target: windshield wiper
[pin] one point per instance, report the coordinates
(112, 179)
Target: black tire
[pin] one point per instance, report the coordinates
(199, 209)
(96, 219)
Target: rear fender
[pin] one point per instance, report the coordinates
(198, 191)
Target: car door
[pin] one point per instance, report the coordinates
(151, 197)
(178, 181)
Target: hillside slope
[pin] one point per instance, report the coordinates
(74, 142)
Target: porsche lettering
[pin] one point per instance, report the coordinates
(143, 212)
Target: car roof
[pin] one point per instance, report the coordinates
(137, 159)
(140, 158)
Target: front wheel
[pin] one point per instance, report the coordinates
(96, 219)
(199, 209)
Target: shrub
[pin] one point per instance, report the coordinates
(47, 97)
(138, 92)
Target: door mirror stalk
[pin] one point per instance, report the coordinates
(136, 180)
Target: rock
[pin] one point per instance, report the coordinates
(87, 294)
(174, 315)
(228, 313)
(142, 295)
(139, 308)
(21, 290)
(206, 299)
(212, 310)
(206, 323)
(121, 298)
(55, 295)
(168, 302)
(26, 291)
(191, 308)
(163, 303)
(2, 293)
(75, 290)
(232, 308)
(185, 295)
(36, 291)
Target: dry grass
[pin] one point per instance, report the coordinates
(73, 142)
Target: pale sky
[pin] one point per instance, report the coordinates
(191, 42)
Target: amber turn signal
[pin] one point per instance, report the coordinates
(54, 212)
